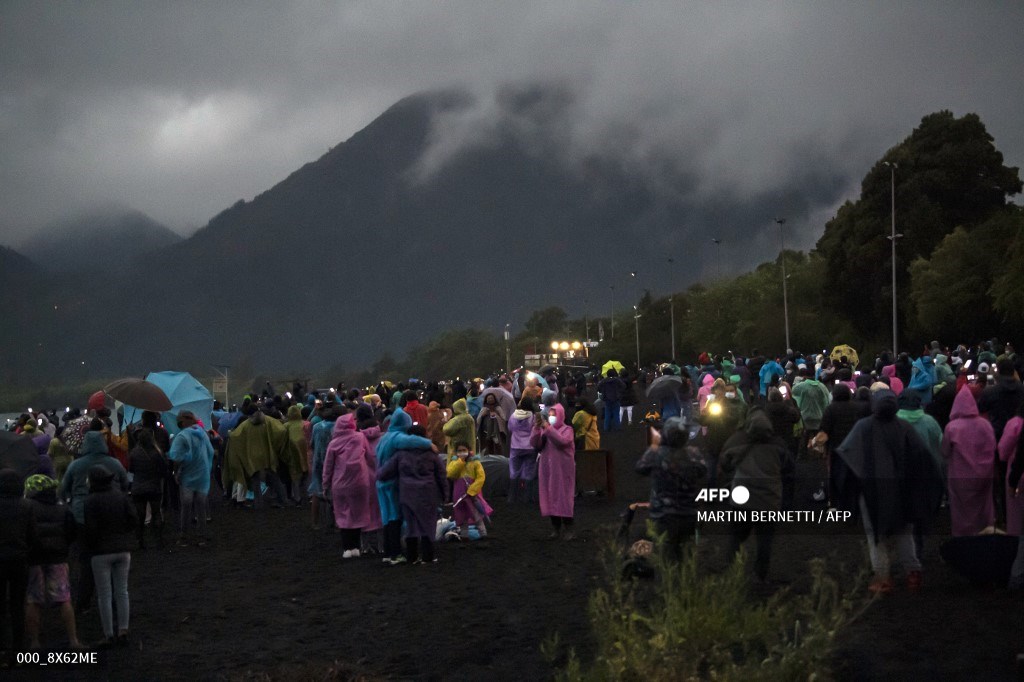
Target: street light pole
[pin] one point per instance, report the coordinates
(718, 255)
(892, 238)
(636, 320)
(785, 297)
(508, 349)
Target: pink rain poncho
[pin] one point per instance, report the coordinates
(556, 469)
(350, 475)
(969, 445)
(1007, 453)
(895, 383)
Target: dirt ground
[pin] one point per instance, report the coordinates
(271, 599)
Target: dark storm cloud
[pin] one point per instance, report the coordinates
(743, 111)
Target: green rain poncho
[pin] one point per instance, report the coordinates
(461, 429)
(257, 444)
(294, 456)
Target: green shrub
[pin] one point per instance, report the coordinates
(692, 626)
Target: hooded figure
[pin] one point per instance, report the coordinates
(435, 425)
(923, 379)
(367, 424)
(298, 455)
(676, 470)
(925, 425)
(75, 484)
(704, 391)
(755, 458)
(397, 438)
(349, 480)
(889, 475)
(584, 426)
(256, 445)
(895, 383)
(470, 504)
(461, 428)
(943, 372)
(492, 427)
(556, 469)
(415, 469)
(1009, 446)
(768, 370)
(968, 444)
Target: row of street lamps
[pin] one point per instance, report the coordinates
(781, 222)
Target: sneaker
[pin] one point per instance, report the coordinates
(819, 495)
(398, 560)
(347, 554)
(386, 560)
(880, 586)
(418, 562)
(915, 580)
(356, 553)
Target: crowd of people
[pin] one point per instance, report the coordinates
(897, 439)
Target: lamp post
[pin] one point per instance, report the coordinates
(636, 320)
(785, 297)
(718, 255)
(508, 349)
(892, 238)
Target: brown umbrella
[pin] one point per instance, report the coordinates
(140, 394)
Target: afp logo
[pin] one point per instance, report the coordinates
(739, 494)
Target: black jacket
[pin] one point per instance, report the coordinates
(148, 469)
(17, 529)
(55, 530)
(110, 522)
(1000, 402)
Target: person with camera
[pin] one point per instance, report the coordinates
(556, 469)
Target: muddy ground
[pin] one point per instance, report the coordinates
(272, 597)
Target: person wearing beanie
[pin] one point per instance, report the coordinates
(17, 534)
(110, 521)
(676, 470)
(887, 473)
(48, 580)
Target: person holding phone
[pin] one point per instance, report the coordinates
(676, 470)
(556, 469)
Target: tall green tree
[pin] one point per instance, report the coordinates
(949, 174)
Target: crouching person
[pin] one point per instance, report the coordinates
(677, 471)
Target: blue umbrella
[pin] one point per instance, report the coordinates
(185, 393)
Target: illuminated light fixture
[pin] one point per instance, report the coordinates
(554, 345)
(564, 345)
(576, 345)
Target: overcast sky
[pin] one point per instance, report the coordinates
(180, 109)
